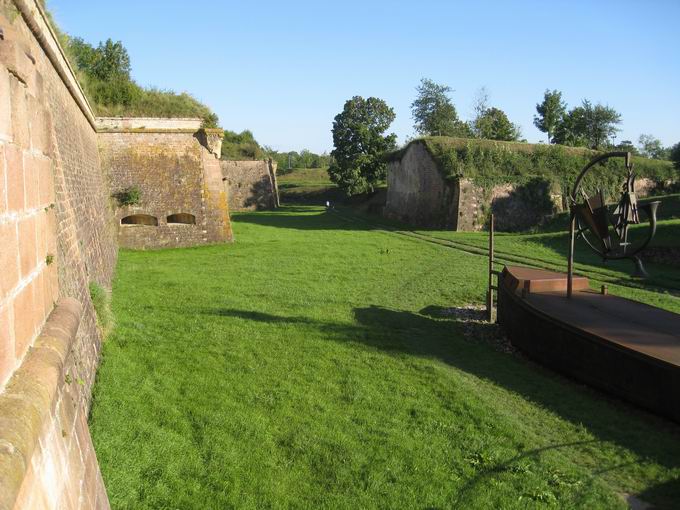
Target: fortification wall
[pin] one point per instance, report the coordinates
(252, 184)
(174, 165)
(56, 237)
(418, 194)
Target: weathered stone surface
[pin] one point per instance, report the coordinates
(9, 259)
(39, 423)
(252, 184)
(177, 175)
(54, 199)
(28, 252)
(19, 106)
(418, 194)
(6, 343)
(3, 182)
(147, 124)
(14, 160)
(5, 105)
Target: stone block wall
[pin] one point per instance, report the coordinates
(252, 184)
(418, 194)
(175, 167)
(56, 237)
(516, 207)
(49, 460)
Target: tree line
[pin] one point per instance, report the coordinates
(588, 125)
(361, 142)
(243, 146)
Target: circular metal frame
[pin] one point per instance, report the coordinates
(649, 208)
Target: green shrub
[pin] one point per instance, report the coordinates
(129, 196)
(101, 300)
(241, 146)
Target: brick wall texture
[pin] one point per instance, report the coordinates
(56, 236)
(176, 172)
(252, 184)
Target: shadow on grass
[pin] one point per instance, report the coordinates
(302, 218)
(666, 491)
(423, 335)
(662, 278)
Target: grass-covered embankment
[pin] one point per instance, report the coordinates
(312, 364)
(489, 162)
(307, 185)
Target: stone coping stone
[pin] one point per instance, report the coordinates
(147, 123)
(27, 400)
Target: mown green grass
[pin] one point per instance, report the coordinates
(305, 177)
(307, 185)
(308, 365)
(668, 210)
(550, 251)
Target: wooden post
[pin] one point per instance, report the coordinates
(525, 289)
(489, 292)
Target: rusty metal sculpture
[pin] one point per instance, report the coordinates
(608, 228)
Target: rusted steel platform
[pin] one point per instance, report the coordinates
(629, 349)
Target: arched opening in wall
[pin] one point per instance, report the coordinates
(140, 219)
(181, 218)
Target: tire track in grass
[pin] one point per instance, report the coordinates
(504, 257)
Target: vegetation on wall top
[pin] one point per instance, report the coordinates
(493, 162)
(244, 147)
(241, 146)
(104, 73)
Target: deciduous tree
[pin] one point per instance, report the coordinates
(494, 124)
(360, 144)
(675, 155)
(434, 112)
(550, 113)
(601, 122)
(651, 147)
(588, 125)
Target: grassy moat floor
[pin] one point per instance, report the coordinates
(319, 362)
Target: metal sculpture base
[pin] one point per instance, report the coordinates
(625, 348)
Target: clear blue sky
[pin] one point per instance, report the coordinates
(283, 69)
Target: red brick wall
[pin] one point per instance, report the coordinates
(28, 284)
(56, 236)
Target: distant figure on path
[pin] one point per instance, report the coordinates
(328, 204)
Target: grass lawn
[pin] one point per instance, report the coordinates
(306, 185)
(550, 251)
(309, 365)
